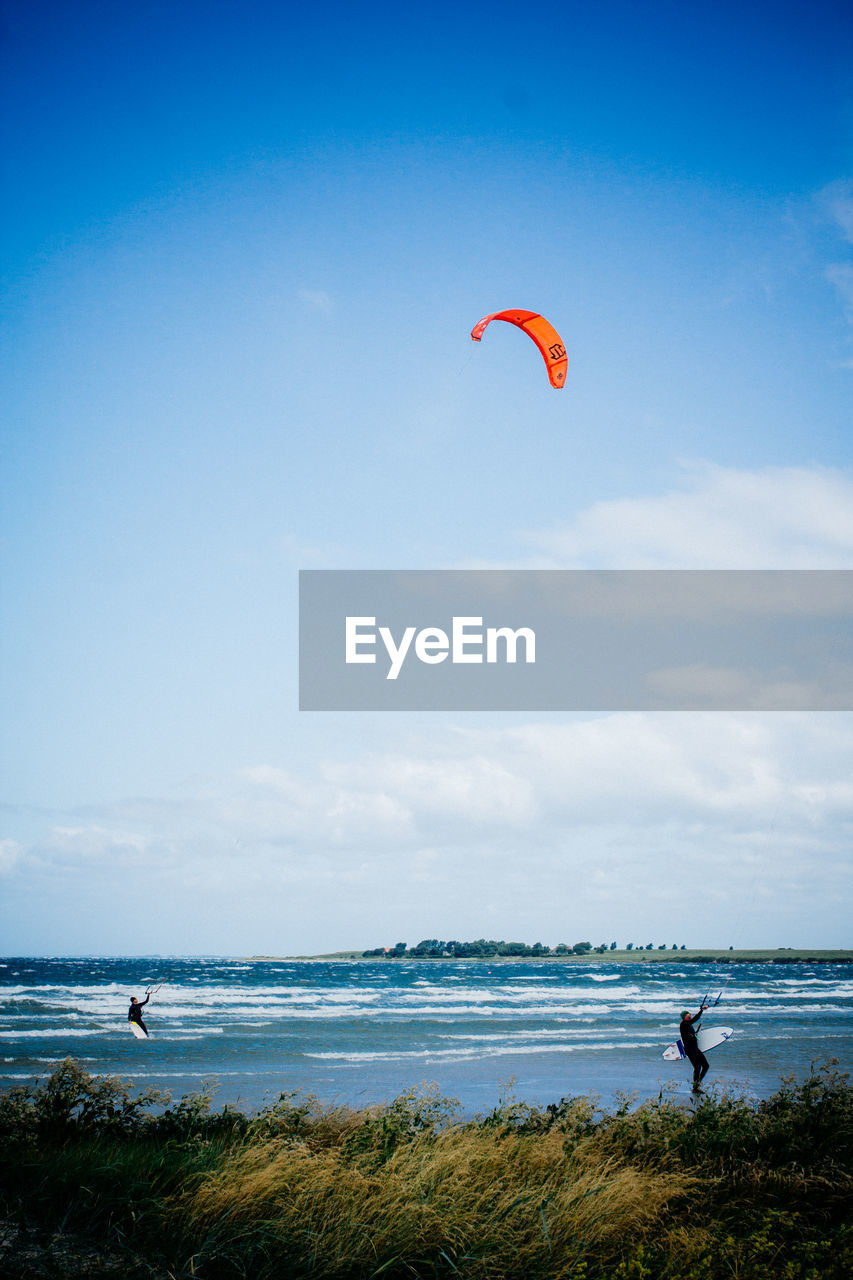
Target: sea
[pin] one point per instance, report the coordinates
(362, 1032)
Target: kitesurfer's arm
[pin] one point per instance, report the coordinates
(145, 1001)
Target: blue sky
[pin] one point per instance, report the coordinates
(244, 246)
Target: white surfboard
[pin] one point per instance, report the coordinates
(706, 1038)
(137, 1031)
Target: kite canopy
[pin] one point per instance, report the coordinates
(543, 334)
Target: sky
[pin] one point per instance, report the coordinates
(243, 247)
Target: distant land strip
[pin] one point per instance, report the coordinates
(703, 955)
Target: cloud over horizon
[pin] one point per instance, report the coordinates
(717, 518)
(623, 817)
(616, 824)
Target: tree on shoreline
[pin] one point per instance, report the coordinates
(482, 948)
(491, 948)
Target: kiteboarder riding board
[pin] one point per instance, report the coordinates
(706, 1039)
(134, 1013)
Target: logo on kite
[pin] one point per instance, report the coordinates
(543, 334)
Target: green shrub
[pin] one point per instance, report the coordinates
(724, 1187)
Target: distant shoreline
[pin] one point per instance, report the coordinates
(705, 955)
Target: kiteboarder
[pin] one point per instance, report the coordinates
(687, 1031)
(134, 1013)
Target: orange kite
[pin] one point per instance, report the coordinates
(543, 334)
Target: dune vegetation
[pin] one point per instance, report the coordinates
(98, 1180)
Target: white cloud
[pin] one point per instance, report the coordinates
(718, 518)
(616, 824)
(97, 842)
(455, 786)
(10, 852)
(840, 274)
(837, 199)
(317, 299)
(620, 823)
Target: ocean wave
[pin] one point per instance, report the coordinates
(326, 1027)
(417, 1006)
(61, 1033)
(808, 982)
(494, 1051)
(178, 1033)
(537, 977)
(558, 1034)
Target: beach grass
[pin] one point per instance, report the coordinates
(119, 1184)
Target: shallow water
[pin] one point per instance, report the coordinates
(365, 1031)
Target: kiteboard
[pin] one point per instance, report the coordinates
(706, 1039)
(137, 1031)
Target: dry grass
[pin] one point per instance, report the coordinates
(495, 1205)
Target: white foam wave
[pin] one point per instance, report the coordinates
(493, 1051)
(811, 982)
(60, 1033)
(503, 1036)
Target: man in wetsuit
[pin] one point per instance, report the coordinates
(687, 1031)
(134, 1013)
